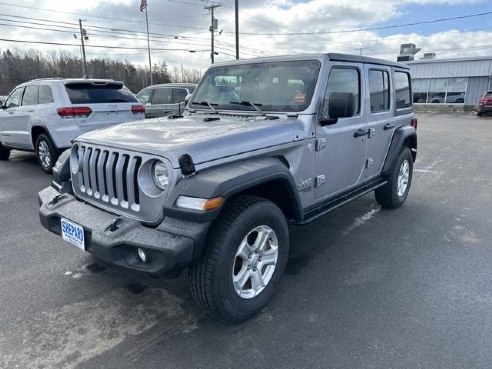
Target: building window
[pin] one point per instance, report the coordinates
(456, 91)
(420, 88)
(439, 90)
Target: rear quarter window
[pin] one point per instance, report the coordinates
(84, 93)
(402, 90)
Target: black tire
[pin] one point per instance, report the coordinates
(46, 153)
(479, 114)
(387, 196)
(4, 153)
(211, 278)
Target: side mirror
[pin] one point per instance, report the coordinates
(188, 97)
(341, 105)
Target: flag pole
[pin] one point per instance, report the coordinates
(148, 44)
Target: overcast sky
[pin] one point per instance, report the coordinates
(267, 28)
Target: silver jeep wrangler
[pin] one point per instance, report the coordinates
(263, 143)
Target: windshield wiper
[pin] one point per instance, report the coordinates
(254, 105)
(116, 100)
(206, 103)
(249, 103)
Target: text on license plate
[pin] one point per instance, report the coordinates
(73, 233)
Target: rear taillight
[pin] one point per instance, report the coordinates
(80, 111)
(138, 109)
(414, 123)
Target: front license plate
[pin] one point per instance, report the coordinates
(73, 233)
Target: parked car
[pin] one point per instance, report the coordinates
(45, 115)
(165, 99)
(305, 135)
(485, 104)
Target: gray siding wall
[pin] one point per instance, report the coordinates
(451, 68)
(475, 88)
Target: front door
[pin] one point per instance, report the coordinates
(341, 156)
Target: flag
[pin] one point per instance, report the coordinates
(143, 5)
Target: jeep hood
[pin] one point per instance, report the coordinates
(203, 140)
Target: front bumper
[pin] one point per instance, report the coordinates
(115, 239)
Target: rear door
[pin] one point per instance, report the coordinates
(110, 103)
(161, 103)
(379, 116)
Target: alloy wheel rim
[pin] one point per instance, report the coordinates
(44, 154)
(403, 177)
(255, 262)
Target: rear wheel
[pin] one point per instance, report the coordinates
(394, 193)
(46, 153)
(4, 153)
(245, 258)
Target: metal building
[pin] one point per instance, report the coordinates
(450, 81)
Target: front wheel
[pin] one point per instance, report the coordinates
(46, 153)
(394, 193)
(245, 258)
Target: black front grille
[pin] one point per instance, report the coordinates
(109, 176)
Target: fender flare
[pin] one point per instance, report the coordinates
(231, 179)
(401, 135)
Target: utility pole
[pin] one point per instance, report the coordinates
(213, 27)
(83, 37)
(148, 46)
(237, 29)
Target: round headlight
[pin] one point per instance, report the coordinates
(160, 174)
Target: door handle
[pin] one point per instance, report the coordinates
(360, 133)
(388, 126)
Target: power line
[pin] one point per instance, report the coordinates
(367, 28)
(94, 46)
(98, 16)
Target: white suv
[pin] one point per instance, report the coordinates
(45, 115)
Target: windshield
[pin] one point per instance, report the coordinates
(276, 86)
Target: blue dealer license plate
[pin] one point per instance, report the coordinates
(73, 233)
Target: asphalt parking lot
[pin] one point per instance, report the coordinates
(365, 288)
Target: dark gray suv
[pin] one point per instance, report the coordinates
(264, 143)
(165, 99)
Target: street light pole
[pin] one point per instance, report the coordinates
(84, 62)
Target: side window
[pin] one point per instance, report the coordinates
(379, 90)
(179, 95)
(345, 80)
(30, 96)
(402, 90)
(14, 99)
(162, 96)
(144, 96)
(45, 94)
